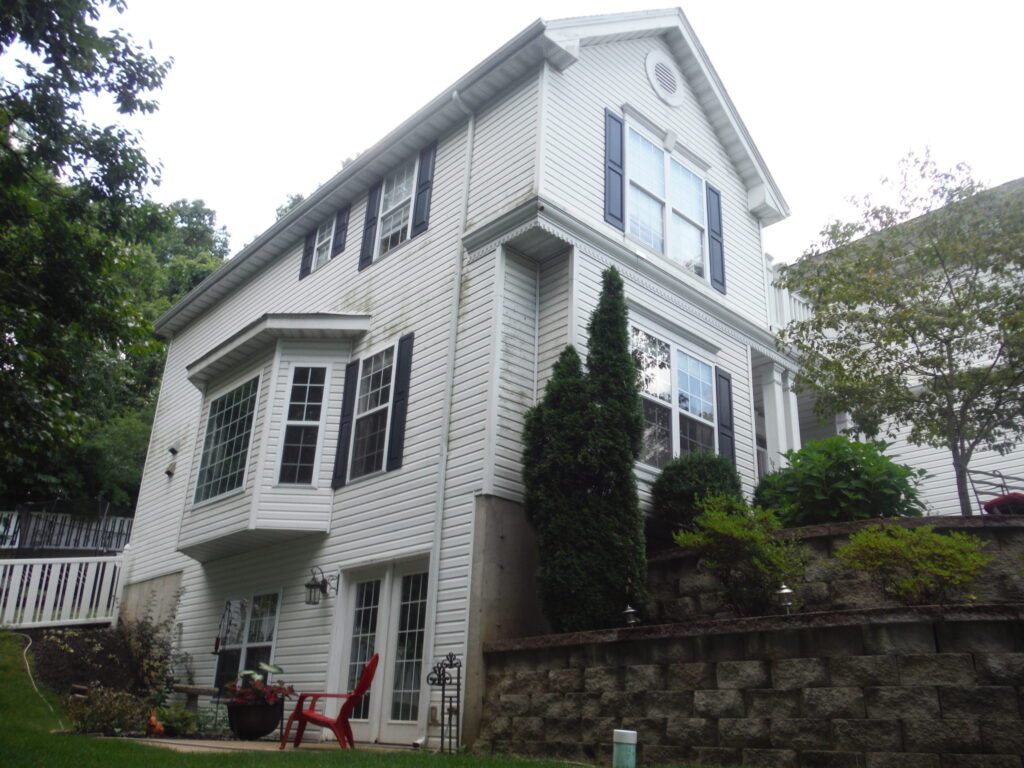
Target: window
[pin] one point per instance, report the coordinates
(322, 244)
(665, 204)
(373, 401)
(677, 390)
(302, 428)
(246, 636)
(226, 447)
(395, 207)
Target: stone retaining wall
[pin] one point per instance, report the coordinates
(681, 592)
(931, 687)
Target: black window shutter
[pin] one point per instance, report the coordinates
(307, 255)
(348, 407)
(340, 231)
(726, 433)
(399, 405)
(614, 170)
(424, 186)
(370, 226)
(715, 243)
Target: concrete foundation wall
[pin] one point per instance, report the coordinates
(909, 688)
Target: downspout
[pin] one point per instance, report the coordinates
(457, 268)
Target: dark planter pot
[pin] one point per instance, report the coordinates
(253, 721)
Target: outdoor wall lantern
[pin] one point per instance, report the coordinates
(319, 585)
(785, 597)
(630, 614)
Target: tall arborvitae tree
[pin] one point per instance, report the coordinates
(581, 441)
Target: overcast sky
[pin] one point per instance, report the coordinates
(267, 98)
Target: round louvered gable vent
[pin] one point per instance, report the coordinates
(665, 78)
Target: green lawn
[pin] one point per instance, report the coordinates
(27, 739)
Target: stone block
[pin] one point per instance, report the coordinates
(692, 732)
(647, 677)
(864, 670)
(672, 650)
(743, 674)
(583, 704)
(532, 681)
(515, 704)
(981, 761)
(1003, 736)
(975, 637)
(915, 702)
(718, 704)
(1000, 668)
(789, 674)
(711, 603)
(863, 735)
(857, 592)
(782, 645)
(565, 680)
(832, 642)
(801, 733)
(620, 704)
(598, 730)
(668, 704)
(528, 728)
(601, 679)
(724, 647)
(769, 758)
(946, 736)
(717, 755)
(937, 669)
(814, 594)
(691, 676)
(744, 732)
(649, 730)
(830, 703)
(771, 703)
(497, 728)
(898, 638)
(680, 609)
(562, 729)
(831, 759)
(991, 701)
(901, 760)
(547, 705)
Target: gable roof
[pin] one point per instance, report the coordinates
(557, 42)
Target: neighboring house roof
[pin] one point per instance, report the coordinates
(559, 43)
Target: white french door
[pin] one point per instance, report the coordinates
(386, 614)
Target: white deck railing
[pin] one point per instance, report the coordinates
(50, 592)
(60, 530)
(785, 306)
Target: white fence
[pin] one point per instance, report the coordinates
(60, 530)
(50, 592)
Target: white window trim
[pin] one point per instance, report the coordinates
(356, 415)
(672, 153)
(244, 645)
(285, 422)
(328, 228)
(677, 345)
(204, 427)
(381, 213)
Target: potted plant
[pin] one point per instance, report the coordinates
(255, 706)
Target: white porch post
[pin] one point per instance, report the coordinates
(792, 412)
(773, 398)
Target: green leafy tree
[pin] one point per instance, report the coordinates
(69, 209)
(580, 444)
(919, 315)
(291, 203)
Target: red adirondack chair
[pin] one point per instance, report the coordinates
(339, 725)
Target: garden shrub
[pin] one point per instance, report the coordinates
(916, 566)
(176, 720)
(738, 546)
(683, 482)
(838, 480)
(104, 710)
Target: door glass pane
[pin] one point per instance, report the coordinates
(264, 614)
(364, 636)
(405, 698)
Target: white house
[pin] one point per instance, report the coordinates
(347, 392)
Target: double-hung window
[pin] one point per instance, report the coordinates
(678, 394)
(665, 206)
(226, 446)
(396, 207)
(370, 433)
(302, 428)
(246, 636)
(322, 245)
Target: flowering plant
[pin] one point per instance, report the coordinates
(251, 687)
